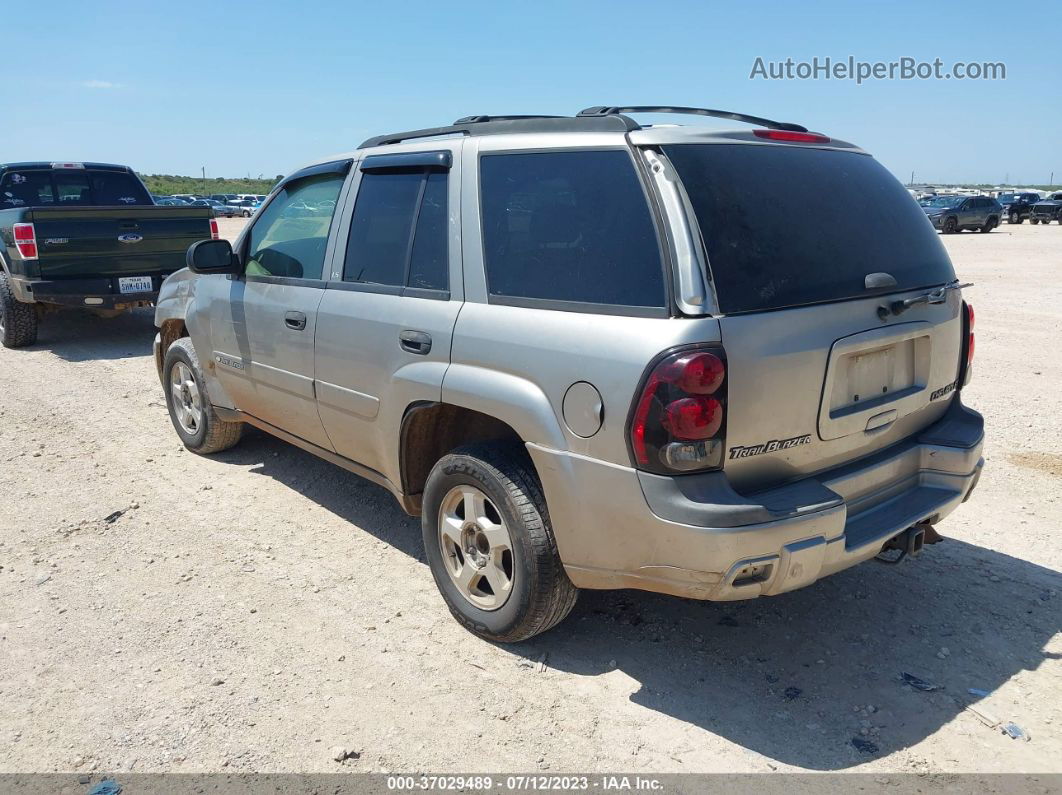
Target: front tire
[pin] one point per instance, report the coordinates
(1034, 221)
(1014, 219)
(18, 321)
(192, 414)
(490, 544)
(950, 227)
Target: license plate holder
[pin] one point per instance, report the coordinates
(130, 285)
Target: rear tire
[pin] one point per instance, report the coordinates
(18, 321)
(499, 480)
(192, 414)
(990, 224)
(1034, 221)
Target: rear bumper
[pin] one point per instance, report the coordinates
(93, 293)
(696, 537)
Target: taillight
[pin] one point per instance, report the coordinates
(969, 334)
(678, 421)
(214, 233)
(792, 137)
(25, 240)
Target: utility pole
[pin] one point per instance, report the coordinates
(911, 183)
(1051, 184)
(204, 172)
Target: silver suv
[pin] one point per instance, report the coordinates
(590, 353)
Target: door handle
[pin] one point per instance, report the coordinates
(295, 320)
(415, 342)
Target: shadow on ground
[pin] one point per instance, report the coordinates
(80, 336)
(788, 677)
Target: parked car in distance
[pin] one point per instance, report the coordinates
(591, 354)
(220, 210)
(1017, 206)
(223, 197)
(1048, 210)
(171, 201)
(952, 214)
(84, 235)
(246, 207)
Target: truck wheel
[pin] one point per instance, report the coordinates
(191, 411)
(1034, 221)
(490, 545)
(1014, 218)
(18, 321)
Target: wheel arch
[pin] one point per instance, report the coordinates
(431, 429)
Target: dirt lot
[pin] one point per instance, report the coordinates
(165, 612)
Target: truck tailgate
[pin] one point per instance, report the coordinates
(112, 241)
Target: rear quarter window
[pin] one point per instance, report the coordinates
(569, 227)
(790, 225)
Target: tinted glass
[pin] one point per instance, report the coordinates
(378, 246)
(116, 187)
(789, 225)
(290, 235)
(428, 266)
(26, 189)
(72, 187)
(569, 226)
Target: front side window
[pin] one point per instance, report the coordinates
(290, 235)
(398, 235)
(569, 226)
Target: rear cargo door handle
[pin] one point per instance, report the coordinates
(128, 225)
(295, 320)
(415, 342)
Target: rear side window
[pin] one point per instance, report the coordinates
(398, 235)
(569, 226)
(789, 225)
(290, 235)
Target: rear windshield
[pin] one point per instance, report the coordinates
(787, 225)
(71, 188)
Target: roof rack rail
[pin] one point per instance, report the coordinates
(607, 110)
(497, 125)
(477, 119)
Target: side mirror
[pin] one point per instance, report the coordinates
(212, 256)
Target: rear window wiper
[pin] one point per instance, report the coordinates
(937, 296)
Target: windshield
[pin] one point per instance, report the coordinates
(786, 225)
(1008, 197)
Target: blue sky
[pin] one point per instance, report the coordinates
(259, 87)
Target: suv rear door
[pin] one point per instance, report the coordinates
(807, 249)
(386, 321)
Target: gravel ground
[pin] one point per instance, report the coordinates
(253, 611)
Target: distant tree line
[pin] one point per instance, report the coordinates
(169, 184)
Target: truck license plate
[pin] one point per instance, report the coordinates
(134, 284)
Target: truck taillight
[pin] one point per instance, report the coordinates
(969, 334)
(26, 240)
(678, 420)
(214, 233)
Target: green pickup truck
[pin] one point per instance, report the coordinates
(84, 235)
